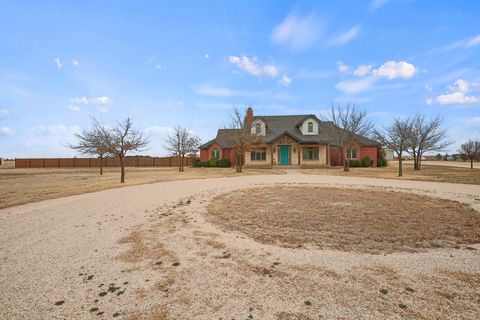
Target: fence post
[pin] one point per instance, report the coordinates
(74, 164)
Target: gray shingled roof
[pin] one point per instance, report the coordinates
(278, 126)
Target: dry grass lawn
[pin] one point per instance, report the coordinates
(357, 220)
(20, 186)
(437, 173)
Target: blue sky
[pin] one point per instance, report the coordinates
(187, 62)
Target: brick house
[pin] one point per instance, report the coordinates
(294, 140)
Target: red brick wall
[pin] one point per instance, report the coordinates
(336, 156)
(230, 155)
(371, 152)
(204, 155)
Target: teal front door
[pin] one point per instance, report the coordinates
(284, 155)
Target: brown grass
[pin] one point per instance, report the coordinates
(435, 173)
(20, 186)
(369, 221)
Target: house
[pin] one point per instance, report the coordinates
(293, 140)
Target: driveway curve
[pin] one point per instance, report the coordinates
(58, 256)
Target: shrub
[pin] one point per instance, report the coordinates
(213, 162)
(353, 163)
(224, 163)
(202, 164)
(381, 162)
(366, 161)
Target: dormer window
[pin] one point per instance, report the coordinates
(310, 127)
(258, 128)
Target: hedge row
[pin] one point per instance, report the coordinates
(213, 163)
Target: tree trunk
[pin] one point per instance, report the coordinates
(239, 163)
(400, 167)
(122, 170)
(101, 165)
(346, 165)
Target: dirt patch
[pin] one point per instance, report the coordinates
(359, 220)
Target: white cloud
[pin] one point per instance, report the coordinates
(376, 4)
(58, 63)
(103, 109)
(75, 62)
(429, 101)
(355, 86)
(298, 32)
(428, 88)
(206, 56)
(253, 66)
(457, 98)
(74, 108)
(208, 90)
(344, 37)
(158, 67)
(285, 80)
(475, 41)
(395, 69)
(6, 132)
(342, 68)
(457, 94)
(99, 101)
(56, 130)
(362, 71)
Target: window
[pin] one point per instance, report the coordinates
(310, 127)
(258, 128)
(310, 153)
(216, 153)
(258, 155)
(352, 153)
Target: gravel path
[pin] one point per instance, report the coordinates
(68, 251)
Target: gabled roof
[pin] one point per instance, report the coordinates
(226, 138)
(277, 126)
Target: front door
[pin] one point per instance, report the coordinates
(284, 155)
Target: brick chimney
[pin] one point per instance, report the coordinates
(249, 115)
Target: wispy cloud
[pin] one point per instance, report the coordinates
(6, 132)
(75, 62)
(58, 63)
(355, 86)
(342, 67)
(285, 80)
(343, 38)
(213, 91)
(377, 4)
(362, 71)
(253, 66)
(298, 32)
(101, 103)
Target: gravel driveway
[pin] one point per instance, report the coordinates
(147, 252)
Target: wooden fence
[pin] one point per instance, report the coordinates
(135, 161)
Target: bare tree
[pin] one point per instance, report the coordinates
(395, 137)
(350, 123)
(122, 139)
(245, 140)
(470, 150)
(181, 143)
(426, 136)
(93, 142)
